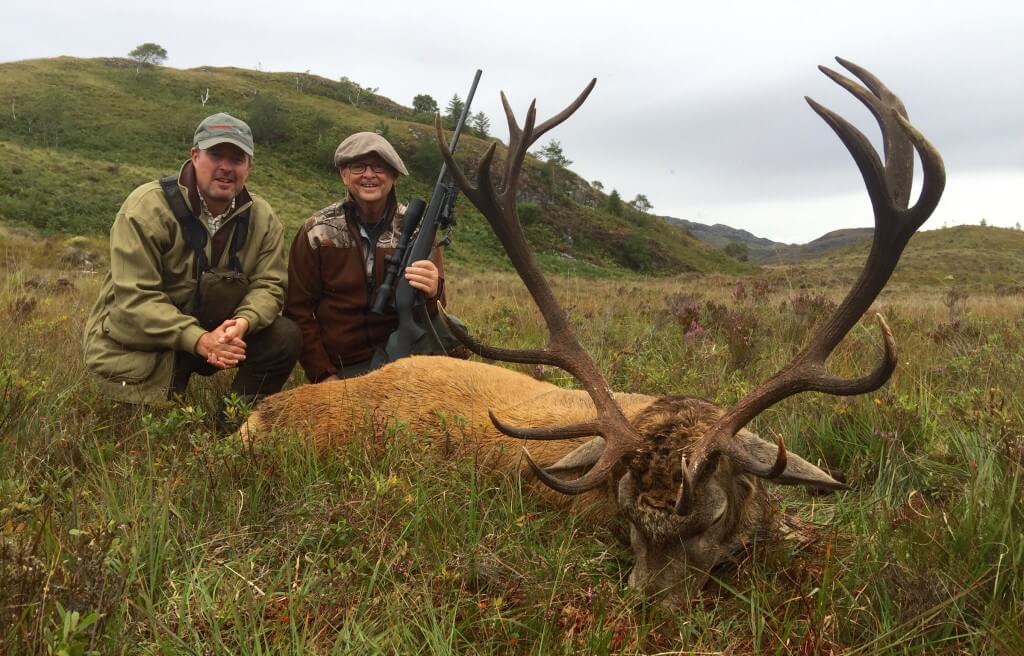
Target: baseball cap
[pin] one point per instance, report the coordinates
(223, 128)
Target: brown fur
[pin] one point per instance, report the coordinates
(427, 393)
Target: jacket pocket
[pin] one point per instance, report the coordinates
(220, 293)
(115, 362)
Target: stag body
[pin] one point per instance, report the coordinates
(420, 390)
(685, 473)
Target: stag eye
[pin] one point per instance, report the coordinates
(718, 516)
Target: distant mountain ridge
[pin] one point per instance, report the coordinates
(761, 250)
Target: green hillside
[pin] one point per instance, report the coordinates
(76, 135)
(982, 258)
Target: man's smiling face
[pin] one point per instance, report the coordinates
(369, 180)
(221, 172)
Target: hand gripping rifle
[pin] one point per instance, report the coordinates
(439, 213)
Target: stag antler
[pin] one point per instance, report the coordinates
(563, 349)
(888, 186)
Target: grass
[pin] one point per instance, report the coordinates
(975, 258)
(128, 530)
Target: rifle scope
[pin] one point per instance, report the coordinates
(413, 214)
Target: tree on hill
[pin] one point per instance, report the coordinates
(424, 103)
(481, 125)
(641, 203)
(554, 158)
(552, 154)
(452, 111)
(615, 203)
(355, 93)
(597, 184)
(147, 54)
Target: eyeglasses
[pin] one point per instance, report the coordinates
(360, 167)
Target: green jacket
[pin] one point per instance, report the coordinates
(139, 320)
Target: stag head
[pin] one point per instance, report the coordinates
(689, 475)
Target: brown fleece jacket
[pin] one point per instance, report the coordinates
(329, 295)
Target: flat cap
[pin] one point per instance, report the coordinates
(364, 143)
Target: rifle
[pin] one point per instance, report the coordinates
(439, 213)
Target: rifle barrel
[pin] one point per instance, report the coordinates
(453, 144)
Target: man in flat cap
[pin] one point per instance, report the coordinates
(197, 280)
(337, 263)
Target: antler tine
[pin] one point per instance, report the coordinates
(517, 147)
(583, 429)
(520, 140)
(889, 189)
(475, 193)
(883, 104)
(934, 180)
(684, 498)
(514, 132)
(563, 349)
(564, 114)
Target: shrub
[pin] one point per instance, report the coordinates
(737, 251)
(811, 308)
(955, 301)
(528, 213)
(739, 292)
(425, 161)
(686, 308)
(740, 328)
(634, 254)
(268, 120)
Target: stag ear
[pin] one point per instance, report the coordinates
(756, 455)
(585, 455)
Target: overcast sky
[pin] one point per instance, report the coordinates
(698, 107)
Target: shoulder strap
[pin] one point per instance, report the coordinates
(191, 229)
(238, 239)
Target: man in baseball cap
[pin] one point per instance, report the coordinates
(337, 263)
(223, 128)
(222, 151)
(196, 281)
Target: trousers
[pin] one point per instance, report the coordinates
(270, 356)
